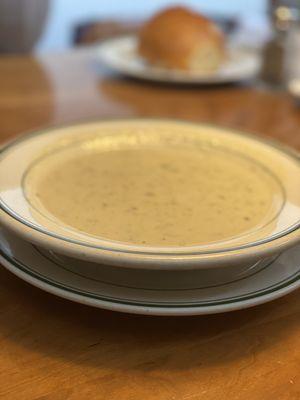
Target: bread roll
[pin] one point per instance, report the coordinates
(178, 38)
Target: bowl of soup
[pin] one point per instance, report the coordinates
(151, 193)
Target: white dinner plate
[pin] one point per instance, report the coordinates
(277, 279)
(121, 55)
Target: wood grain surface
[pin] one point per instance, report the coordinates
(52, 349)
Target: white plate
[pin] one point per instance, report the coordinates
(121, 55)
(275, 280)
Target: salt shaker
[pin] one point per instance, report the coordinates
(276, 55)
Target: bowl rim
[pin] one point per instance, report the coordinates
(119, 256)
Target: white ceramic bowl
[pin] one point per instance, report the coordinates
(278, 166)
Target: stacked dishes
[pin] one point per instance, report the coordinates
(152, 216)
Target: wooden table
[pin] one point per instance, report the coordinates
(53, 349)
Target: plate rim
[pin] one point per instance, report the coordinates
(60, 290)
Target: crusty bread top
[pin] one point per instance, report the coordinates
(171, 36)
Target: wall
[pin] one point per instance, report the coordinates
(64, 14)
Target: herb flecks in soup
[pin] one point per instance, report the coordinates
(161, 196)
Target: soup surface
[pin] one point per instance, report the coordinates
(161, 196)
